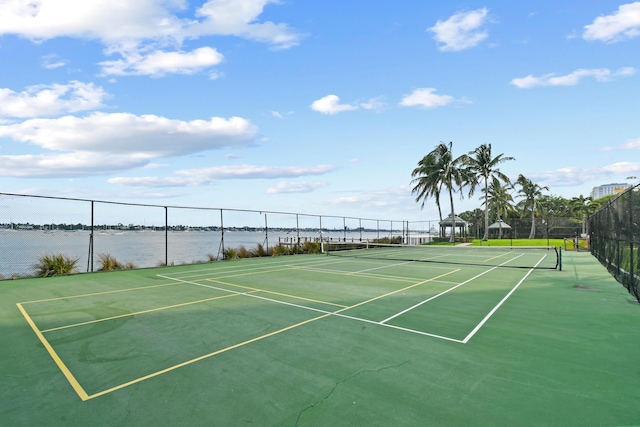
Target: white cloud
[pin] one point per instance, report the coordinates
(296, 187)
(53, 61)
(142, 31)
(389, 197)
(238, 18)
(573, 176)
(155, 165)
(102, 143)
(282, 116)
(159, 63)
(65, 165)
(571, 79)
(105, 20)
(256, 172)
(330, 104)
(629, 144)
(49, 100)
(632, 144)
(372, 104)
(153, 135)
(426, 97)
(622, 24)
(461, 31)
(154, 181)
(207, 176)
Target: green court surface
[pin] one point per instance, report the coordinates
(311, 340)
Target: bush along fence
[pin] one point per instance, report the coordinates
(42, 235)
(615, 238)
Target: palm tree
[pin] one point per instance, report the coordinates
(584, 206)
(439, 169)
(475, 218)
(481, 162)
(500, 201)
(531, 193)
(427, 180)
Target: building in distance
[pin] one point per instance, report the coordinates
(607, 189)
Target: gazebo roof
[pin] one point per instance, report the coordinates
(447, 221)
(499, 224)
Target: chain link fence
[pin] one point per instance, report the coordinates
(615, 238)
(142, 236)
(565, 228)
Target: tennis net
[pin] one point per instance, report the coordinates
(543, 257)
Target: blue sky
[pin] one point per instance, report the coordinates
(312, 107)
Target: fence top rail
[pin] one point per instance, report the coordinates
(261, 211)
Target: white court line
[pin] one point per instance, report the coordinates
(486, 318)
(244, 269)
(247, 294)
(313, 309)
(381, 267)
(383, 322)
(435, 296)
(446, 291)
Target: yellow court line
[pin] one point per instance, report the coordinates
(65, 371)
(102, 293)
(206, 356)
(275, 293)
(138, 312)
(84, 396)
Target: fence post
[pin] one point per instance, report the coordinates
(632, 281)
(90, 255)
(166, 236)
(266, 232)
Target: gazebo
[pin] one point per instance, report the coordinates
(499, 225)
(458, 223)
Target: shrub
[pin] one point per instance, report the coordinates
(229, 253)
(311, 247)
(393, 240)
(280, 250)
(54, 265)
(243, 252)
(260, 251)
(109, 263)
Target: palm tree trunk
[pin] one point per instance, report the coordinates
(440, 214)
(452, 239)
(532, 233)
(486, 210)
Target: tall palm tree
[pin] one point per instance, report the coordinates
(531, 193)
(439, 169)
(482, 163)
(427, 182)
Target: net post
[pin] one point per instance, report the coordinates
(560, 258)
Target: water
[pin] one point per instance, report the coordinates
(21, 249)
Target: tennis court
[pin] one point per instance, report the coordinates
(376, 339)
